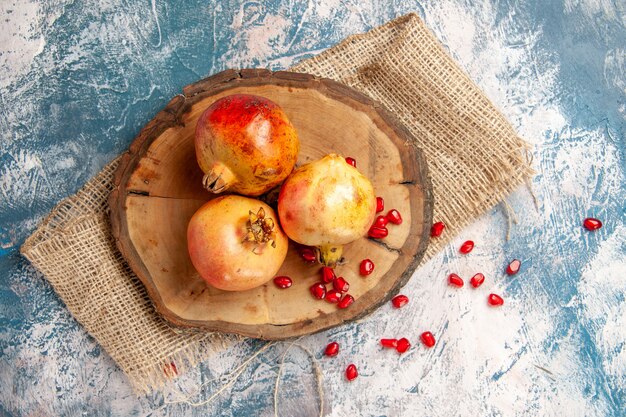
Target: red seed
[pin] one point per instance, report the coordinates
(399, 300)
(341, 284)
(592, 223)
(466, 247)
(394, 216)
(346, 301)
(437, 229)
(170, 369)
(351, 161)
(332, 349)
(389, 343)
(282, 282)
(366, 267)
(378, 232)
(308, 254)
(333, 296)
(403, 345)
(351, 372)
(513, 267)
(328, 274)
(428, 339)
(495, 300)
(455, 280)
(318, 290)
(380, 204)
(477, 280)
(381, 221)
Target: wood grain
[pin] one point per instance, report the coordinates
(158, 188)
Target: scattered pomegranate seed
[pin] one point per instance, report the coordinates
(495, 300)
(477, 280)
(170, 369)
(318, 290)
(351, 161)
(282, 282)
(332, 349)
(389, 343)
(466, 247)
(346, 301)
(328, 274)
(351, 372)
(381, 221)
(437, 229)
(399, 300)
(455, 280)
(380, 204)
(378, 232)
(308, 254)
(513, 267)
(341, 284)
(428, 339)
(366, 267)
(591, 223)
(394, 216)
(333, 296)
(403, 345)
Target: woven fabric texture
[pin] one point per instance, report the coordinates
(474, 156)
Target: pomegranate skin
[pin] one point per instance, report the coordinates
(217, 245)
(326, 203)
(245, 144)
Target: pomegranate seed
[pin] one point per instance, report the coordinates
(428, 339)
(477, 280)
(332, 349)
(513, 267)
(328, 274)
(341, 284)
(351, 161)
(308, 254)
(455, 280)
(389, 343)
(346, 301)
(591, 223)
(437, 229)
(403, 345)
(380, 204)
(466, 247)
(381, 221)
(282, 282)
(399, 300)
(394, 216)
(318, 290)
(333, 296)
(495, 300)
(378, 232)
(366, 267)
(351, 372)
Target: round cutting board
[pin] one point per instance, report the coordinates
(158, 187)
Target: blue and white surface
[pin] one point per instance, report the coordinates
(79, 79)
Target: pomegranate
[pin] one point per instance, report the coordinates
(245, 144)
(327, 204)
(235, 243)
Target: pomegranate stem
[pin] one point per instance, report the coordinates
(330, 254)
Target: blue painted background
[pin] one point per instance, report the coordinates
(75, 100)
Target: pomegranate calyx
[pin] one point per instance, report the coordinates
(218, 179)
(260, 229)
(330, 255)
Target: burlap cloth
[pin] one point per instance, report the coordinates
(474, 156)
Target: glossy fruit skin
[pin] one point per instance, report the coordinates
(394, 216)
(318, 290)
(389, 343)
(400, 301)
(351, 372)
(378, 232)
(366, 267)
(380, 221)
(380, 204)
(403, 345)
(333, 296)
(513, 267)
(245, 144)
(328, 274)
(437, 229)
(495, 300)
(216, 246)
(283, 282)
(326, 203)
(341, 285)
(455, 280)
(477, 280)
(346, 301)
(466, 247)
(351, 161)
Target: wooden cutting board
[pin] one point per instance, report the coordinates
(159, 187)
